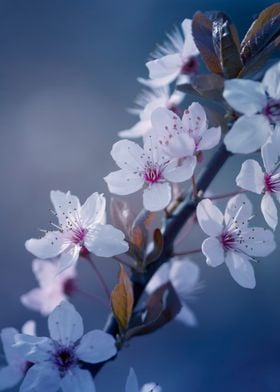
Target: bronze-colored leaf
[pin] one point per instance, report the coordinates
(226, 45)
(162, 306)
(122, 300)
(157, 249)
(202, 35)
(263, 31)
(210, 86)
(139, 233)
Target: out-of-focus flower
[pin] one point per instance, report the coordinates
(260, 104)
(79, 229)
(53, 289)
(57, 359)
(147, 103)
(14, 372)
(231, 240)
(147, 167)
(184, 276)
(132, 384)
(252, 178)
(180, 138)
(176, 56)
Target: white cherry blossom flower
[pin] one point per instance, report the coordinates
(17, 367)
(147, 103)
(231, 240)
(252, 178)
(57, 359)
(147, 167)
(180, 138)
(53, 289)
(132, 384)
(80, 228)
(176, 56)
(260, 104)
(184, 276)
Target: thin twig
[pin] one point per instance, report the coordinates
(226, 195)
(100, 278)
(187, 253)
(93, 297)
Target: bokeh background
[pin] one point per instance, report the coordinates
(67, 72)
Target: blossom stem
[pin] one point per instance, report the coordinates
(186, 253)
(226, 195)
(93, 297)
(126, 263)
(100, 277)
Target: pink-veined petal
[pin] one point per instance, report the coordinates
(78, 380)
(241, 269)
(183, 172)
(106, 241)
(157, 196)
(251, 176)
(47, 247)
(194, 119)
(124, 182)
(93, 210)
(65, 324)
(248, 134)
(245, 96)
(209, 217)
(41, 377)
(96, 346)
(213, 251)
(269, 210)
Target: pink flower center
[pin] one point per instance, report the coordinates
(78, 235)
(64, 358)
(153, 174)
(69, 287)
(190, 67)
(272, 110)
(272, 182)
(228, 240)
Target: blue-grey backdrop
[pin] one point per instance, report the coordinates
(67, 72)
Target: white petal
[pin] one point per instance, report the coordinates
(124, 182)
(209, 217)
(106, 241)
(96, 346)
(43, 300)
(194, 118)
(271, 81)
(64, 202)
(175, 173)
(8, 340)
(247, 134)
(159, 278)
(209, 139)
(239, 208)
(151, 387)
(68, 258)
(157, 196)
(44, 271)
(42, 377)
(245, 96)
(167, 68)
(10, 376)
(186, 316)
(33, 348)
(189, 48)
(251, 176)
(138, 130)
(132, 382)
(271, 151)
(77, 380)
(65, 324)
(258, 242)
(48, 247)
(128, 155)
(93, 210)
(29, 328)
(269, 210)
(213, 250)
(241, 269)
(184, 276)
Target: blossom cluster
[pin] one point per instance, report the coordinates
(172, 151)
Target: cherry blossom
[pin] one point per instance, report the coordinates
(184, 276)
(132, 384)
(79, 229)
(147, 103)
(14, 372)
(147, 167)
(57, 359)
(252, 178)
(260, 104)
(176, 56)
(180, 138)
(53, 289)
(231, 240)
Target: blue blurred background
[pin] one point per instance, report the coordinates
(67, 72)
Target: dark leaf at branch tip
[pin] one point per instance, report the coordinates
(157, 249)
(162, 306)
(122, 300)
(263, 31)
